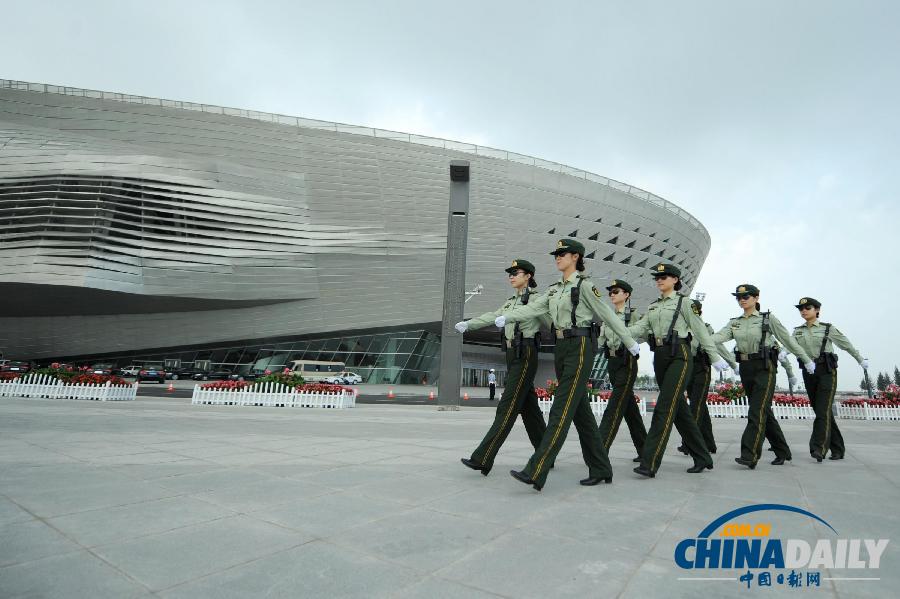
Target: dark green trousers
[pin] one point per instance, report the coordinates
(821, 386)
(622, 374)
(697, 390)
(671, 408)
(759, 386)
(518, 398)
(573, 360)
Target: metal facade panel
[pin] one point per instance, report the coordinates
(336, 227)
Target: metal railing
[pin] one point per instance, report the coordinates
(411, 138)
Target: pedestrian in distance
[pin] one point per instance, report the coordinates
(492, 384)
(755, 334)
(667, 327)
(520, 343)
(572, 305)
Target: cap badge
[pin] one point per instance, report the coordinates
(742, 289)
(559, 244)
(804, 301)
(614, 283)
(515, 263)
(660, 267)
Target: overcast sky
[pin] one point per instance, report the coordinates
(776, 123)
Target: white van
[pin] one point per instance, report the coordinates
(314, 371)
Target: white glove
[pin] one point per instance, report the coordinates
(720, 365)
(865, 363)
(792, 380)
(462, 327)
(500, 322)
(810, 367)
(782, 355)
(635, 349)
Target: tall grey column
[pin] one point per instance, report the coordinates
(454, 286)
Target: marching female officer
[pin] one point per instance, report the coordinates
(520, 343)
(571, 304)
(698, 384)
(817, 338)
(754, 334)
(623, 368)
(668, 325)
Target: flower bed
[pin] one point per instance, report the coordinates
(780, 399)
(48, 386)
(271, 393)
(598, 401)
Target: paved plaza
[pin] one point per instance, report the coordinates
(158, 498)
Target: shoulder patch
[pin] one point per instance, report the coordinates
(695, 309)
(597, 293)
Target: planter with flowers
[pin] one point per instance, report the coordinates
(282, 389)
(599, 399)
(884, 406)
(66, 383)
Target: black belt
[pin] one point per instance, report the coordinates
(619, 353)
(576, 332)
(511, 343)
(760, 355)
(824, 357)
(656, 343)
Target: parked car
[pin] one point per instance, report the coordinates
(350, 378)
(132, 370)
(222, 375)
(19, 366)
(107, 369)
(152, 372)
(197, 374)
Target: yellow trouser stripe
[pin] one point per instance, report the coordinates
(615, 426)
(512, 404)
(762, 411)
(678, 391)
(827, 436)
(562, 420)
(702, 402)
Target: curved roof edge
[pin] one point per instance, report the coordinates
(411, 138)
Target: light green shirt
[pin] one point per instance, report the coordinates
(528, 326)
(556, 303)
(809, 337)
(747, 333)
(609, 337)
(659, 318)
(785, 363)
(723, 351)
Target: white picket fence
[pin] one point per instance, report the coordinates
(598, 406)
(866, 412)
(44, 386)
(272, 395)
(740, 409)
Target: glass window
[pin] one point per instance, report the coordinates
(379, 342)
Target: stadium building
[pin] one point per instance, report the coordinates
(136, 228)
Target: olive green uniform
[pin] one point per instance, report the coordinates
(573, 359)
(672, 363)
(822, 384)
(623, 369)
(519, 397)
(698, 388)
(758, 367)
